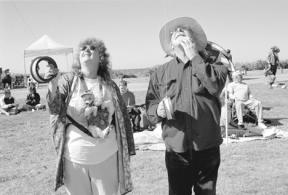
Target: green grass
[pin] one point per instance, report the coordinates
(27, 158)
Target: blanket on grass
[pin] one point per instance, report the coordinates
(152, 140)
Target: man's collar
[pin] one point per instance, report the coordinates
(196, 59)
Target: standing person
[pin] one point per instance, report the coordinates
(192, 137)
(229, 55)
(128, 96)
(273, 63)
(91, 129)
(7, 79)
(129, 99)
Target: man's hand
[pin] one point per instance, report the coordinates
(161, 111)
(189, 47)
(182, 41)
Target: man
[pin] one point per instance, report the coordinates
(7, 79)
(192, 137)
(241, 94)
(273, 63)
(129, 99)
(127, 95)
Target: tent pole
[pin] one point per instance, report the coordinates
(67, 62)
(25, 76)
(226, 107)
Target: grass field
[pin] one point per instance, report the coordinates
(27, 158)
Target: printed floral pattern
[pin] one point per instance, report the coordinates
(58, 122)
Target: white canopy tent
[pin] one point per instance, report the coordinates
(46, 46)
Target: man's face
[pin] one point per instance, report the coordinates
(180, 37)
(123, 88)
(238, 78)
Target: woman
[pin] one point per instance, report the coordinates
(7, 104)
(90, 163)
(33, 100)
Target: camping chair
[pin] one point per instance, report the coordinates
(248, 116)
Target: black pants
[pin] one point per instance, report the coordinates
(198, 169)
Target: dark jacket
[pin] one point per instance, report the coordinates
(33, 99)
(128, 98)
(194, 88)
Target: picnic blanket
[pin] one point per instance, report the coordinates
(152, 140)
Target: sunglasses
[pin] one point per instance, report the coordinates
(90, 47)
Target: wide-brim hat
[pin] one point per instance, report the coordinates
(275, 49)
(184, 22)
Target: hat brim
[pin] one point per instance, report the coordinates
(186, 22)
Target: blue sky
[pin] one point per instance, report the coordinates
(130, 28)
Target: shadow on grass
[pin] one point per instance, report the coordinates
(266, 108)
(275, 121)
(250, 78)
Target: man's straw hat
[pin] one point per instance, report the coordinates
(184, 22)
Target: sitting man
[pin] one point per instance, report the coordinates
(33, 100)
(241, 94)
(7, 103)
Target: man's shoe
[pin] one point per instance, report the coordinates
(262, 126)
(241, 127)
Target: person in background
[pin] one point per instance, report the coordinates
(128, 96)
(33, 100)
(87, 163)
(7, 103)
(7, 79)
(273, 63)
(129, 99)
(241, 94)
(229, 55)
(192, 135)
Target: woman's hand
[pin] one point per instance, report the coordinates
(110, 107)
(52, 86)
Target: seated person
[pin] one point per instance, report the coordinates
(241, 94)
(7, 103)
(33, 100)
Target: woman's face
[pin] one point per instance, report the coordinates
(7, 94)
(89, 55)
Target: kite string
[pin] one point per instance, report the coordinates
(23, 19)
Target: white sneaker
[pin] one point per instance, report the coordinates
(262, 125)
